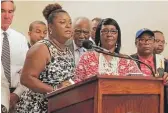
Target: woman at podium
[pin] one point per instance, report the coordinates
(108, 36)
(48, 63)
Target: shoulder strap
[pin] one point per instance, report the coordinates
(49, 46)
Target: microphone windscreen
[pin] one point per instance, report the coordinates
(87, 44)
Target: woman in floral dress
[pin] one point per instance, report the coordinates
(48, 62)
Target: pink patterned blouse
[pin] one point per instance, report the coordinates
(92, 63)
(144, 68)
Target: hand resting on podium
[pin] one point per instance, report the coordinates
(64, 84)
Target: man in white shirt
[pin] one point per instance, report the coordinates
(5, 93)
(82, 30)
(95, 22)
(17, 49)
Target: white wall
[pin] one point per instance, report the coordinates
(131, 16)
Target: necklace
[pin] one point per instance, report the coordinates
(63, 55)
(58, 45)
(60, 51)
(108, 67)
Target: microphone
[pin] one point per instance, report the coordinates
(89, 45)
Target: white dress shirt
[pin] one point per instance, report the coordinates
(18, 49)
(78, 51)
(5, 93)
(90, 38)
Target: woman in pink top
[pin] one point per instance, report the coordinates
(108, 36)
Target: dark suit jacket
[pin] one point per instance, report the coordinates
(166, 65)
(71, 47)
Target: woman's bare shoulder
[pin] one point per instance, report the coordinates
(39, 50)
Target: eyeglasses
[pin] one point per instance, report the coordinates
(160, 41)
(106, 31)
(79, 31)
(149, 40)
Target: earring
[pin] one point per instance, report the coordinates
(50, 32)
(116, 45)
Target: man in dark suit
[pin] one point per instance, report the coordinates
(160, 44)
(82, 31)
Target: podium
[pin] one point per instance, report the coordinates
(110, 94)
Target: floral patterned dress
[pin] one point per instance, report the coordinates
(59, 69)
(91, 64)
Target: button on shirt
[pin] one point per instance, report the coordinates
(18, 49)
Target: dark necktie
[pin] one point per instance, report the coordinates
(5, 57)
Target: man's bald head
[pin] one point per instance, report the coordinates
(34, 23)
(82, 30)
(83, 21)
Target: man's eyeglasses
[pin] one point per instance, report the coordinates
(106, 31)
(149, 40)
(79, 31)
(160, 41)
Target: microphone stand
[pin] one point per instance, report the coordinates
(126, 57)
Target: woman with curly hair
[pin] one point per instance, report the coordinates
(48, 63)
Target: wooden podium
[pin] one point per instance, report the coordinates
(110, 94)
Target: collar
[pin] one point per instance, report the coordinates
(76, 47)
(90, 38)
(146, 59)
(8, 31)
